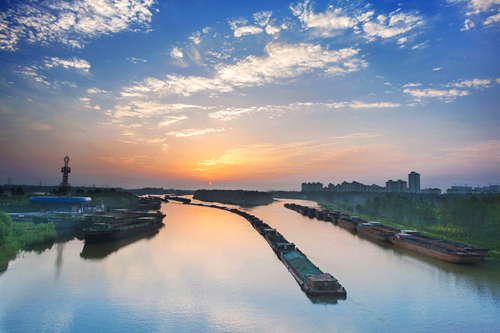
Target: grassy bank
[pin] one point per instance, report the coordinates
(22, 236)
(433, 231)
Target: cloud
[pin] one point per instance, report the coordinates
(357, 105)
(135, 60)
(271, 30)
(335, 20)
(38, 126)
(192, 131)
(232, 113)
(492, 19)
(412, 85)
(281, 61)
(433, 93)
(396, 24)
(97, 91)
(262, 18)
(489, 149)
(80, 65)
(479, 10)
(247, 30)
(141, 109)
(474, 83)
(352, 65)
(72, 23)
(437, 68)
(171, 120)
(357, 136)
(327, 23)
(420, 46)
(176, 53)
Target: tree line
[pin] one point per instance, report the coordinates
(473, 218)
(22, 236)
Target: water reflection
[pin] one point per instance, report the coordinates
(99, 251)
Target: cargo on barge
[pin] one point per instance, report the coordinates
(434, 249)
(108, 228)
(376, 230)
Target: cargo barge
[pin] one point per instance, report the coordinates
(106, 228)
(311, 279)
(349, 223)
(433, 249)
(376, 230)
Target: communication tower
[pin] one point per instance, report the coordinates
(64, 186)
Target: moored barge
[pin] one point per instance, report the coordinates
(434, 249)
(110, 228)
(376, 230)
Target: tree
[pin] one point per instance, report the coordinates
(5, 228)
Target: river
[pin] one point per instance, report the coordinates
(208, 270)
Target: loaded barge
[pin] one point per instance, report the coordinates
(442, 249)
(111, 227)
(434, 249)
(376, 230)
(312, 280)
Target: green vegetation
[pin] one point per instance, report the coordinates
(238, 197)
(109, 197)
(471, 219)
(22, 236)
(17, 203)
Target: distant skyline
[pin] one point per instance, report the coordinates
(250, 95)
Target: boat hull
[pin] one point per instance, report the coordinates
(374, 233)
(112, 235)
(453, 257)
(346, 225)
(341, 292)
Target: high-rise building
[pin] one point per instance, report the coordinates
(414, 182)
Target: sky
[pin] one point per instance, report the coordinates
(249, 94)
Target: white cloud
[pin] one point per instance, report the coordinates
(192, 131)
(281, 61)
(196, 37)
(176, 53)
(433, 93)
(480, 9)
(420, 46)
(357, 136)
(143, 109)
(136, 60)
(412, 85)
(397, 24)
(437, 68)
(325, 24)
(357, 104)
(97, 91)
(262, 18)
(468, 24)
(71, 23)
(247, 30)
(492, 19)
(271, 30)
(474, 83)
(171, 120)
(80, 65)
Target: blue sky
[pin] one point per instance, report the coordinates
(256, 94)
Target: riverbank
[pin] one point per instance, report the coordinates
(22, 236)
(238, 197)
(493, 254)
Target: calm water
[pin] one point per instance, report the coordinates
(208, 270)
